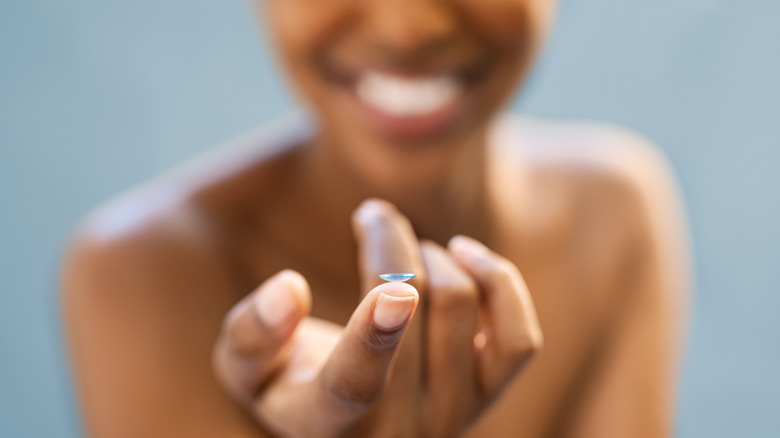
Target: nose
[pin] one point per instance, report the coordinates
(410, 28)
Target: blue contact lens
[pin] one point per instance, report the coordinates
(396, 276)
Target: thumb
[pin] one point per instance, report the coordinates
(357, 370)
(256, 333)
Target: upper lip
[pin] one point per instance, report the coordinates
(467, 71)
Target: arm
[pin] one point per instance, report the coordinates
(142, 308)
(631, 389)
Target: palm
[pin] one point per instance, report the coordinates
(310, 348)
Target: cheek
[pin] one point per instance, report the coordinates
(510, 24)
(300, 26)
(516, 30)
(300, 29)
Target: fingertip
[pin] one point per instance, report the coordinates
(283, 300)
(293, 276)
(299, 287)
(376, 203)
(372, 208)
(466, 243)
(394, 306)
(432, 253)
(392, 312)
(429, 245)
(468, 250)
(396, 289)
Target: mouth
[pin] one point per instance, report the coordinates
(412, 105)
(407, 97)
(409, 107)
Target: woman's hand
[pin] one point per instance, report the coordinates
(385, 373)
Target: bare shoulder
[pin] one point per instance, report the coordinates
(182, 214)
(131, 243)
(602, 191)
(147, 280)
(598, 150)
(170, 237)
(592, 158)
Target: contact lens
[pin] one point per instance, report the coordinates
(397, 276)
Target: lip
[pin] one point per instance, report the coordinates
(410, 128)
(416, 128)
(471, 71)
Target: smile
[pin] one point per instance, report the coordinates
(409, 107)
(404, 96)
(406, 102)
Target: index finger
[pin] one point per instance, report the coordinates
(386, 244)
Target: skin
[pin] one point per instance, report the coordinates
(239, 296)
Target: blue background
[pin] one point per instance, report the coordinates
(96, 96)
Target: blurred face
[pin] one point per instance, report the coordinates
(389, 78)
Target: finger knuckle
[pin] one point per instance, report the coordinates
(522, 348)
(453, 295)
(502, 275)
(242, 336)
(380, 343)
(505, 269)
(354, 396)
(243, 343)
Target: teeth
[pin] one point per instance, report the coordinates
(402, 96)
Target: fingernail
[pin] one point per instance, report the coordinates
(391, 312)
(275, 304)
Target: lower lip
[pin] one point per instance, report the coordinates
(415, 127)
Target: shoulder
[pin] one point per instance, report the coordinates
(148, 279)
(603, 191)
(138, 252)
(174, 227)
(622, 253)
(594, 161)
(595, 150)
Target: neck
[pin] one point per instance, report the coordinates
(443, 193)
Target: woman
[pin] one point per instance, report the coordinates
(172, 336)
